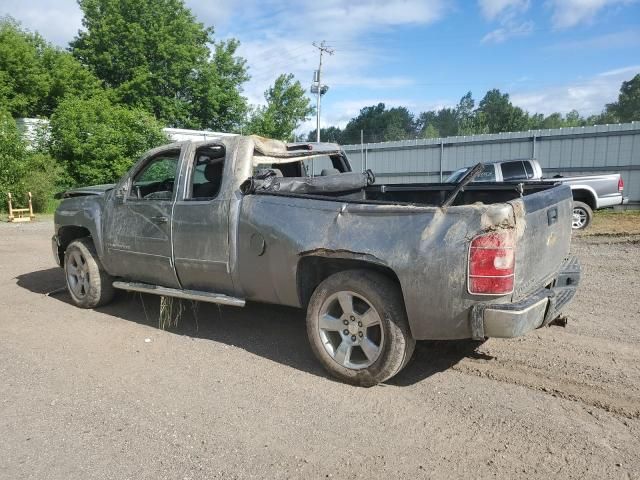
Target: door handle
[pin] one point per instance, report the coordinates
(159, 219)
(552, 216)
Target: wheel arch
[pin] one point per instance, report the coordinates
(314, 267)
(586, 195)
(67, 234)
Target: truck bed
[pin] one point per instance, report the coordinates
(403, 228)
(424, 194)
(434, 194)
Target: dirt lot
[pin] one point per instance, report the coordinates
(237, 393)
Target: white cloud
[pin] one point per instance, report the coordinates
(509, 15)
(368, 14)
(628, 71)
(276, 37)
(588, 96)
(624, 39)
(509, 30)
(282, 44)
(569, 13)
(492, 8)
(57, 21)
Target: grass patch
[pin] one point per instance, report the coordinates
(611, 212)
(612, 222)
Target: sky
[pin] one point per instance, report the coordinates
(549, 55)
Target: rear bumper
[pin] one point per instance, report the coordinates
(611, 201)
(539, 309)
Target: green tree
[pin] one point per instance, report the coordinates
(554, 120)
(573, 119)
(627, 108)
(98, 141)
(380, 124)
(67, 77)
(22, 170)
(35, 76)
(217, 102)
(287, 107)
(23, 81)
(498, 114)
(465, 115)
(156, 56)
(329, 134)
(426, 124)
(430, 132)
(12, 154)
(448, 122)
(495, 113)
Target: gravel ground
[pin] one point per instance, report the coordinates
(236, 393)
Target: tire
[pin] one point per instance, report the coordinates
(87, 282)
(582, 216)
(357, 327)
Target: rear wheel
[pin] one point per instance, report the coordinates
(358, 328)
(88, 283)
(582, 215)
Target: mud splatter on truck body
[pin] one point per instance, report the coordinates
(274, 237)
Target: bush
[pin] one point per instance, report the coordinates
(13, 151)
(23, 171)
(97, 141)
(43, 178)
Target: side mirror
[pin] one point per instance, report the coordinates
(121, 192)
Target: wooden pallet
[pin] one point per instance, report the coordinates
(21, 214)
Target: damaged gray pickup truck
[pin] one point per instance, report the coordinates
(376, 267)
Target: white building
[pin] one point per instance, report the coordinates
(30, 127)
(179, 134)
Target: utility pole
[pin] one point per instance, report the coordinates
(318, 88)
(362, 150)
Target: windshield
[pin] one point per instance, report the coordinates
(487, 175)
(456, 176)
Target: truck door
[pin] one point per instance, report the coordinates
(138, 222)
(201, 222)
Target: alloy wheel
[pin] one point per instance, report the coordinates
(78, 274)
(579, 218)
(351, 330)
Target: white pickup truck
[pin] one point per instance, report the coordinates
(590, 192)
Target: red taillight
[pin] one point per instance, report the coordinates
(491, 263)
(620, 184)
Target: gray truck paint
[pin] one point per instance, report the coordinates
(275, 247)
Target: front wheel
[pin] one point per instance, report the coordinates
(582, 216)
(88, 283)
(358, 328)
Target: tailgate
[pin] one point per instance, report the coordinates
(544, 242)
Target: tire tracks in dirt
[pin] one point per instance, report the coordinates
(555, 385)
(594, 372)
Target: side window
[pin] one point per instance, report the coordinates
(290, 169)
(322, 165)
(487, 175)
(514, 170)
(206, 174)
(528, 169)
(156, 181)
